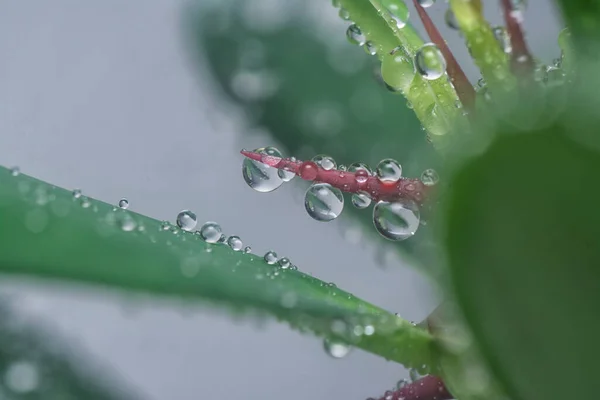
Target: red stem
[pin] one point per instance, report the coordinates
(463, 87)
(350, 182)
(427, 388)
(522, 63)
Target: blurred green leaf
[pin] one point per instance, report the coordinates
(48, 232)
(583, 19)
(522, 240)
(327, 99)
(37, 364)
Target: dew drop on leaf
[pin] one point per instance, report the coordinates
(325, 162)
(76, 193)
(186, 220)
(284, 262)
(15, 171)
(361, 200)
(335, 348)
(124, 204)
(271, 257)
(261, 177)
(430, 177)
(389, 171)
(235, 243)
(429, 62)
(361, 172)
(210, 232)
(355, 35)
(323, 202)
(398, 220)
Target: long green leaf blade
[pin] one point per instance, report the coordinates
(47, 232)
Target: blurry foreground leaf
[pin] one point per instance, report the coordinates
(49, 232)
(523, 242)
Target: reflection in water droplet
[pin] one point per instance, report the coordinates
(235, 243)
(429, 62)
(210, 232)
(22, 377)
(285, 175)
(361, 200)
(396, 221)
(270, 257)
(336, 349)
(325, 162)
(355, 35)
(370, 48)
(186, 220)
(124, 204)
(361, 172)
(389, 171)
(430, 177)
(323, 202)
(259, 176)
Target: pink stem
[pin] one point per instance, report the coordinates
(522, 63)
(427, 388)
(350, 182)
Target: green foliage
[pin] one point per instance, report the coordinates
(521, 236)
(85, 240)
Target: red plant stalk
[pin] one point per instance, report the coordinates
(427, 388)
(350, 182)
(522, 63)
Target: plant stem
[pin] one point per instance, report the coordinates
(427, 388)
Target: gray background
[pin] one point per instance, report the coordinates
(100, 95)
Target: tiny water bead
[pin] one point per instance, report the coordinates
(335, 348)
(430, 177)
(15, 171)
(396, 221)
(308, 170)
(355, 35)
(361, 172)
(186, 220)
(211, 232)
(361, 200)
(325, 162)
(426, 3)
(284, 262)
(124, 204)
(247, 250)
(370, 48)
(429, 62)
(323, 202)
(271, 257)
(235, 243)
(76, 193)
(261, 177)
(389, 171)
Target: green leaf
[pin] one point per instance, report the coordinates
(583, 19)
(38, 364)
(318, 108)
(522, 240)
(48, 232)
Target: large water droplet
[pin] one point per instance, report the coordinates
(355, 35)
(430, 177)
(124, 204)
(335, 348)
(429, 62)
(370, 48)
(186, 220)
(398, 220)
(325, 162)
(235, 243)
(426, 3)
(261, 177)
(323, 202)
(361, 200)
(389, 171)
(211, 232)
(271, 257)
(22, 377)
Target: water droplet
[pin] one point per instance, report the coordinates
(503, 39)
(450, 19)
(235, 243)
(344, 14)
(335, 348)
(271, 257)
(308, 170)
(389, 171)
(370, 48)
(210, 232)
(361, 172)
(284, 262)
(323, 202)
(126, 223)
(429, 62)
(426, 3)
(325, 162)
(355, 35)
(186, 220)
(361, 200)
(261, 177)
(396, 221)
(124, 204)
(85, 202)
(22, 377)
(76, 193)
(15, 171)
(285, 175)
(247, 250)
(430, 177)
(401, 383)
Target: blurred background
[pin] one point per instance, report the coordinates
(152, 100)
